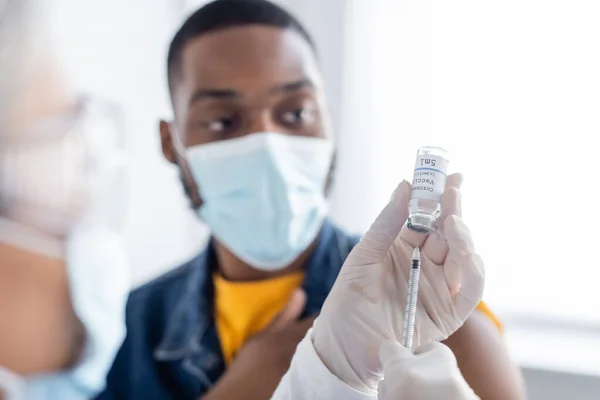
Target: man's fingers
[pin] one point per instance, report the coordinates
(291, 312)
(296, 330)
(303, 326)
(381, 235)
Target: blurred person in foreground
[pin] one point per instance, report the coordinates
(63, 274)
(253, 141)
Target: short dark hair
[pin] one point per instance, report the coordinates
(222, 14)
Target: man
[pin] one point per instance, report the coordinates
(252, 138)
(62, 283)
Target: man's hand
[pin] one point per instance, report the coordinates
(261, 363)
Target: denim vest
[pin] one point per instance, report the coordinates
(172, 349)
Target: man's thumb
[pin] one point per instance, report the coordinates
(381, 235)
(291, 312)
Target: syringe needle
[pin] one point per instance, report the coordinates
(411, 299)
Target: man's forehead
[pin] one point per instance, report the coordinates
(247, 58)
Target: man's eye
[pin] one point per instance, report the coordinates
(221, 124)
(299, 116)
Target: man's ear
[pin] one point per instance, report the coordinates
(174, 152)
(166, 142)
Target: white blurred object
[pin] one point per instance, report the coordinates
(309, 379)
(430, 373)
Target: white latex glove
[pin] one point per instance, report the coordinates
(431, 373)
(366, 305)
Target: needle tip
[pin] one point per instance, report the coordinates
(416, 254)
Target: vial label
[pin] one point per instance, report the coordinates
(429, 178)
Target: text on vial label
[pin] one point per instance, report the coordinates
(428, 162)
(429, 177)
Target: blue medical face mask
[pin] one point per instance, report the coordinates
(263, 194)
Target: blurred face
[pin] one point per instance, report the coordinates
(244, 80)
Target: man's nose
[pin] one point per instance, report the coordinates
(262, 121)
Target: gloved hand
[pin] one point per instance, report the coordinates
(430, 373)
(366, 305)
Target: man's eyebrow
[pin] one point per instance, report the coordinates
(292, 86)
(202, 94)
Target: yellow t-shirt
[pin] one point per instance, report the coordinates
(243, 309)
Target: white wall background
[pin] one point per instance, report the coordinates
(511, 88)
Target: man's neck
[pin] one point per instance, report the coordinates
(235, 270)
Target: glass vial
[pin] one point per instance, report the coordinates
(429, 181)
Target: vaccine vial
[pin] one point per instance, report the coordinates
(429, 181)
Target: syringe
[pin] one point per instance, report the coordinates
(411, 299)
